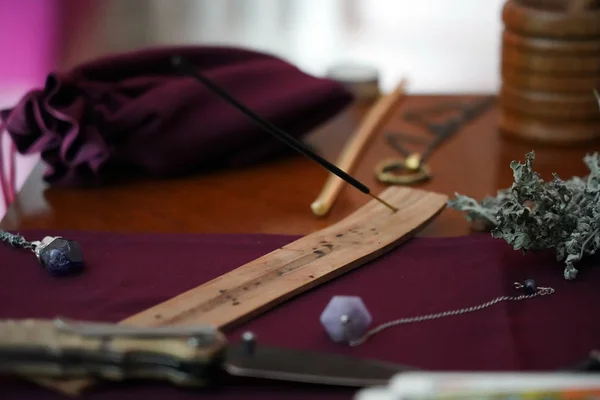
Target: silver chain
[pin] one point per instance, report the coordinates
(17, 241)
(541, 291)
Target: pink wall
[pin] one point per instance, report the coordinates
(29, 32)
(30, 43)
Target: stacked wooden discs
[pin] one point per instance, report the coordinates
(550, 68)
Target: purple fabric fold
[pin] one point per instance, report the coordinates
(127, 273)
(132, 114)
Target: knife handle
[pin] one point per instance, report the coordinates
(63, 349)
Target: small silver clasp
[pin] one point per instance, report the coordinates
(39, 245)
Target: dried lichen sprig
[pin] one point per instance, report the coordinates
(537, 215)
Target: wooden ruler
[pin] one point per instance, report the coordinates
(292, 269)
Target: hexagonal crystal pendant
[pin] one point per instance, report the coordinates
(346, 318)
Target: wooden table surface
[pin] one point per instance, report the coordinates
(275, 197)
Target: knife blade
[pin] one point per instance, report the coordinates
(181, 355)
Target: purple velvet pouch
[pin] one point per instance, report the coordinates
(134, 114)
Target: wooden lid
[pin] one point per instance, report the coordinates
(551, 19)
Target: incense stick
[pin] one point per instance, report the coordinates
(187, 68)
(377, 116)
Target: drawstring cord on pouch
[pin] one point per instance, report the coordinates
(7, 183)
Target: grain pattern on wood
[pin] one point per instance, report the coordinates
(278, 276)
(543, 45)
(530, 80)
(548, 105)
(550, 19)
(564, 133)
(550, 63)
(303, 264)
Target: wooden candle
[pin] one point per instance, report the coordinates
(550, 68)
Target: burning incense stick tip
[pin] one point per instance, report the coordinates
(385, 203)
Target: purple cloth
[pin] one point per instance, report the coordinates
(129, 273)
(132, 115)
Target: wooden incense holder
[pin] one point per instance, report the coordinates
(278, 276)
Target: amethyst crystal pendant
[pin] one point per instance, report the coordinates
(345, 318)
(59, 256)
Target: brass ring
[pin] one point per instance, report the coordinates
(384, 172)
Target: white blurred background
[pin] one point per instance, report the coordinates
(441, 46)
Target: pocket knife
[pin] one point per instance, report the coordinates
(181, 355)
